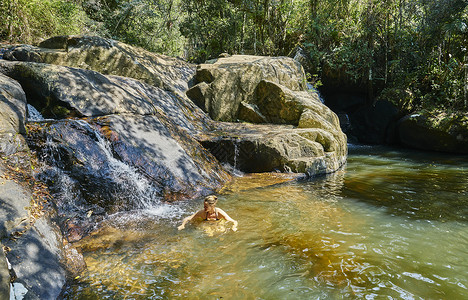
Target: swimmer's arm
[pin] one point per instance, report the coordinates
(228, 218)
(189, 218)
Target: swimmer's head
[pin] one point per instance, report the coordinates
(210, 201)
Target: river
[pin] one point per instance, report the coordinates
(391, 224)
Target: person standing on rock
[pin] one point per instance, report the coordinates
(209, 213)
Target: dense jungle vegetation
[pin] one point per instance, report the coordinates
(412, 52)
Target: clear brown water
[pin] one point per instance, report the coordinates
(392, 224)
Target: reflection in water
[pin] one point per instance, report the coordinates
(418, 185)
(384, 227)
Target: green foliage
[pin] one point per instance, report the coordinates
(29, 21)
(153, 25)
(381, 47)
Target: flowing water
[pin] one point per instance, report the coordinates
(391, 224)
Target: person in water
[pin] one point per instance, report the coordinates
(209, 213)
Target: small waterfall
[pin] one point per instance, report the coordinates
(310, 87)
(320, 96)
(34, 115)
(235, 167)
(236, 152)
(143, 193)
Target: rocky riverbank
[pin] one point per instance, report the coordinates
(120, 133)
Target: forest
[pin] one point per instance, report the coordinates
(411, 52)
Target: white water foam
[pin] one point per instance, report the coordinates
(144, 193)
(34, 115)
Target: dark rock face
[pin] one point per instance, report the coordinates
(435, 132)
(375, 124)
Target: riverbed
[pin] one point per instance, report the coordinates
(391, 223)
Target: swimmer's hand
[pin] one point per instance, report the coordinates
(234, 228)
(181, 227)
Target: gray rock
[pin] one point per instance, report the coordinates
(35, 253)
(13, 202)
(109, 57)
(4, 277)
(60, 92)
(35, 260)
(269, 148)
(12, 106)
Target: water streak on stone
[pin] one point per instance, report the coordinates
(33, 114)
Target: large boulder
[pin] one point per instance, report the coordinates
(225, 83)
(275, 148)
(266, 90)
(35, 259)
(435, 131)
(108, 57)
(12, 106)
(59, 92)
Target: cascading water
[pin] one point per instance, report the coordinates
(34, 115)
(87, 177)
(236, 152)
(235, 168)
(124, 174)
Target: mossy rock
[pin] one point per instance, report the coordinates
(435, 131)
